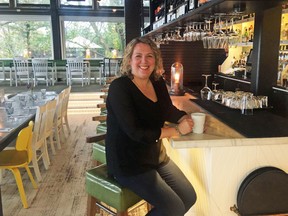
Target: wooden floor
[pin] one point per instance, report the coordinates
(62, 191)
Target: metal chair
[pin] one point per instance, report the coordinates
(75, 68)
(21, 69)
(40, 70)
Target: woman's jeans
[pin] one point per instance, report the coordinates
(166, 189)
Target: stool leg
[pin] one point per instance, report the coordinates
(92, 208)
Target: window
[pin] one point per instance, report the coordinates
(29, 37)
(111, 3)
(33, 2)
(4, 3)
(76, 3)
(96, 39)
(146, 3)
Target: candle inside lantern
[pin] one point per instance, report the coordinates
(176, 84)
(176, 78)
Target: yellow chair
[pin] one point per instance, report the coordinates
(21, 156)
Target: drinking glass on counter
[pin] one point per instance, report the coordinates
(247, 104)
(236, 100)
(206, 92)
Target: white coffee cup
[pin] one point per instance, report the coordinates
(199, 122)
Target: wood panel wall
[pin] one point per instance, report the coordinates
(195, 59)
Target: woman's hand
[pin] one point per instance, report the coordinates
(184, 117)
(185, 125)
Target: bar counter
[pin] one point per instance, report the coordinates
(232, 146)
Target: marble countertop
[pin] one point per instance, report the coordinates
(219, 133)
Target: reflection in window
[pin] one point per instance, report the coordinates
(33, 2)
(4, 1)
(76, 3)
(25, 38)
(146, 3)
(111, 3)
(94, 39)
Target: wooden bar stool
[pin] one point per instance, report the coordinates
(102, 188)
(102, 126)
(98, 148)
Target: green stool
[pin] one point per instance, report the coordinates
(98, 152)
(101, 188)
(101, 128)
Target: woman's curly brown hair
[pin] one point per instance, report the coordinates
(125, 69)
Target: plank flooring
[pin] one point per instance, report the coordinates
(62, 190)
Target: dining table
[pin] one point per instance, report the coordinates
(24, 110)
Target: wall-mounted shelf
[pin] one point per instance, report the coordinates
(213, 8)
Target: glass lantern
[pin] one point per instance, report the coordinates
(177, 79)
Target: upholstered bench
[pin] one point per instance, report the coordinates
(102, 188)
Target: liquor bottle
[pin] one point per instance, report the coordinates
(159, 10)
(193, 4)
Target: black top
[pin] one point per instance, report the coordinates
(134, 125)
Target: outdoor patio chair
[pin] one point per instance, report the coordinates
(40, 70)
(21, 69)
(76, 69)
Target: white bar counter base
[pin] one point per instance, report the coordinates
(217, 161)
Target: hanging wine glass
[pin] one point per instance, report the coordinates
(215, 91)
(206, 92)
(215, 86)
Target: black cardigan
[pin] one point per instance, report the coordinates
(134, 125)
